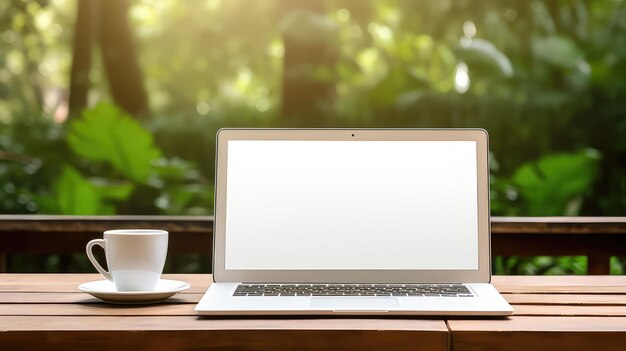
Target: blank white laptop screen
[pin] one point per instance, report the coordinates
(350, 205)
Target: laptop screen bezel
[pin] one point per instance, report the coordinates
(480, 275)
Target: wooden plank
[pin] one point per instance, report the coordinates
(180, 242)
(225, 340)
(558, 280)
(69, 234)
(78, 297)
(257, 340)
(502, 282)
(65, 287)
(517, 299)
(560, 284)
(539, 333)
(66, 326)
(80, 224)
(562, 299)
(558, 225)
(204, 224)
(601, 289)
(187, 309)
(78, 278)
(568, 310)
(69, 282)
(97, 309)
(200, 282)
(540, 324)
(176, 333)
(538, 340)
(112, 323)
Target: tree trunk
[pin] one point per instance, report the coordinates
(304, 94)
(120, 58)
(84, 36)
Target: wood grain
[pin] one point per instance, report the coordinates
(173, 308)
(538, 340)
(46, 311)
(200, 282)
(78, 278)
(560, 284)
(69, 282)
(220, 340)
(541, 324)
(539, 333)
(77, 297)
(172, 333)
(558, 225)
(564, 299)
(97, 309)
(552, 312)
(204, 224)
(114, 323)
(569, 310)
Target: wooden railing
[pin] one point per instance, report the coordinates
(598, 238)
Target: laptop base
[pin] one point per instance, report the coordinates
(219, 301)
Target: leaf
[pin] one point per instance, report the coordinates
(178, 199)
(112, 190)
(106, 133)
(558, 51)
(482, 55)
(550, 184)
(74, 194)
(175, 169)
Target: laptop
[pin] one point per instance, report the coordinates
(352, 222)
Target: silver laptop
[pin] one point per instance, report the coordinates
(340, 221)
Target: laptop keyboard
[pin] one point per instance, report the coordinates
(446, 290)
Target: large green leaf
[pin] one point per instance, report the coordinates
(555, 182)
(106, 133)
(75, 195)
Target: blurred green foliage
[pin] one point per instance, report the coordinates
(545, 78)
(554, 185)
(109, 165)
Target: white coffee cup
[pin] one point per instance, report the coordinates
(135, 257)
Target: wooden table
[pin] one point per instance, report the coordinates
(47, 311)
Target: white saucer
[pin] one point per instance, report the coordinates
(105, 290)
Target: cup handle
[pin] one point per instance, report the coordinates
(102, 244)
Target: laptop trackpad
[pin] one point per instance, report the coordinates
(355, 303)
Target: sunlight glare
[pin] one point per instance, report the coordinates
(262, 105)
(43, 19)
(276, 48)
(203, 108)
(382, 32)
(343, 15)
(461, 78)
(469, 29)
